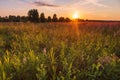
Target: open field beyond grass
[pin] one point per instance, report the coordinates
(60, 51)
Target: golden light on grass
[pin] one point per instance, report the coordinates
(75, 27)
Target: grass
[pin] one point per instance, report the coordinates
(60, 51)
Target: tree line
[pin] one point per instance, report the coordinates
(33, 16)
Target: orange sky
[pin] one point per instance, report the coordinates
(87, 9)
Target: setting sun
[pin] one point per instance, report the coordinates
(75, 15)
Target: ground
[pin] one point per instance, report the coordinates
(60, 51)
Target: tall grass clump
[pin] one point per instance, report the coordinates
(60, 51)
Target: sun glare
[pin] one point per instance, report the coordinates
(75, 15)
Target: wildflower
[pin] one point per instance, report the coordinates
(24, 60)
(44, 51)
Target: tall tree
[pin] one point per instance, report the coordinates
(55, 19)
(42, 17)
(49, 19)
(33, 15)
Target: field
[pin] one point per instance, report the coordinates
(60, 51)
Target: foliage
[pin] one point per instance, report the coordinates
(49, 19)
(33, 15)
(42, 18)
(60, 51)
(55, 19)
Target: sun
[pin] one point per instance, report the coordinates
(75, 15)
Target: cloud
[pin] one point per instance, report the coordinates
(95, 2)
(91, 2)
(72, 3)
(38, 3)
(41, 2)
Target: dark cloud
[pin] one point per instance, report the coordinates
(45, 4)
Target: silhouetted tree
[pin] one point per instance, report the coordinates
(61, 19)
(81, 20)
(23, 19)
(12, 18)
(42, 17)
(5, 19)
(67, 19)
(0, 19)
(55, 19)
(33, 15)
(49, 19)
(18, 19)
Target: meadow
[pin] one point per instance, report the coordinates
(60, 51)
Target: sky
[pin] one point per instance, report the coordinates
(87, 9)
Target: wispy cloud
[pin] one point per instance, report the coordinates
(48, 3)
(72, 3)
(38, 3)
(94, 2)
